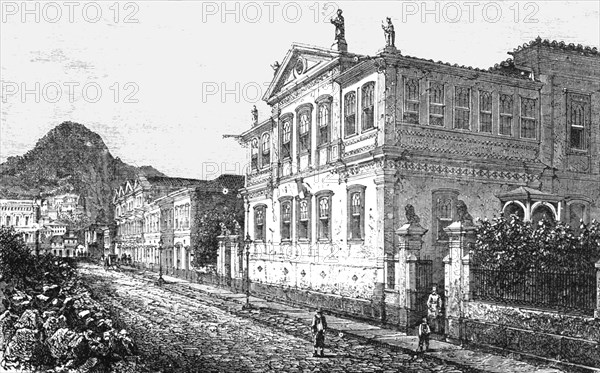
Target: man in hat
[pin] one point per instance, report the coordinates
(319, 325)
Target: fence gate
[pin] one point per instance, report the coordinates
(418, 296)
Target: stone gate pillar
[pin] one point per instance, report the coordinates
(409, 249)
(460, 237)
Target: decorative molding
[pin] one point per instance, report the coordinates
(308, 86)
(443, 142)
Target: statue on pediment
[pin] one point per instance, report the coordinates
(340, 30)
(254, 112)
(390, 34)
(275, 66)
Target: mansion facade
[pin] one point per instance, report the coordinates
(357, 146)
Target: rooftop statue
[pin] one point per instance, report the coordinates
(390, 34)
(340, 30)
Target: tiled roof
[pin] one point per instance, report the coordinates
(580, 49)
(506, 68)
(175, 182)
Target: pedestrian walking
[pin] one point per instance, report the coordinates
(434, 308)
(423, 332)
(319, 325)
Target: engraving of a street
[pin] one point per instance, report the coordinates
(299, 186)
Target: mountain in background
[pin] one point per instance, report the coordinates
(70, 158)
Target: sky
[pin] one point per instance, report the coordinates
(162, 81)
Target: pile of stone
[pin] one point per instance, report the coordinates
(59, 328)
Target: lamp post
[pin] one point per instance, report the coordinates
(247, 243)
(160, 280)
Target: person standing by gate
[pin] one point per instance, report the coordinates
(318, 327)
(423, 332)
(434, 309)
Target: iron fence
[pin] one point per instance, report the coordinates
(551, 290)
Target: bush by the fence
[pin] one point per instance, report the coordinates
(514, 245)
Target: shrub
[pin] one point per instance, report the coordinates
(511, 244)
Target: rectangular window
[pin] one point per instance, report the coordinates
(304, 220)
(485, 112)
(578, 121)
(462, 108)
(286, 221)
(350, 113)
(506, 114)
(528, 122)
(368, 106)
(436, 104)
(411, 100)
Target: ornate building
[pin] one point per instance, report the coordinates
(357, 146)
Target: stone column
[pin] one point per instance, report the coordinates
(459, 236)
(597, 312)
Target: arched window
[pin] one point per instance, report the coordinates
(266, 150)
(286, 139)
(578, 120)
(356, 212)
(254, 154)
(514, 209)
(324, 215)
(303, 227)
(411, 100)
(324, 122)
(304, 124)
(350, 113)
(542, 212)
(368, 105)
(286, 219)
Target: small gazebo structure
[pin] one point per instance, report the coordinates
(532, 205)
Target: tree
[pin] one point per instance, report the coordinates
(16, 261)
(213, 209)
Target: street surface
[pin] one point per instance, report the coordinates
(178, 329)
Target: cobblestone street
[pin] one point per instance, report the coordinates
(178, 329)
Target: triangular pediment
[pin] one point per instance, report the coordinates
(301, 64)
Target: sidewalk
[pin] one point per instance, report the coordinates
(476, 360)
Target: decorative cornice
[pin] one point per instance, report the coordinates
(445, 142)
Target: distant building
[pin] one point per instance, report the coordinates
(154, 211)
(22, 215)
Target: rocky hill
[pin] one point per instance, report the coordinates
(69, 158)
